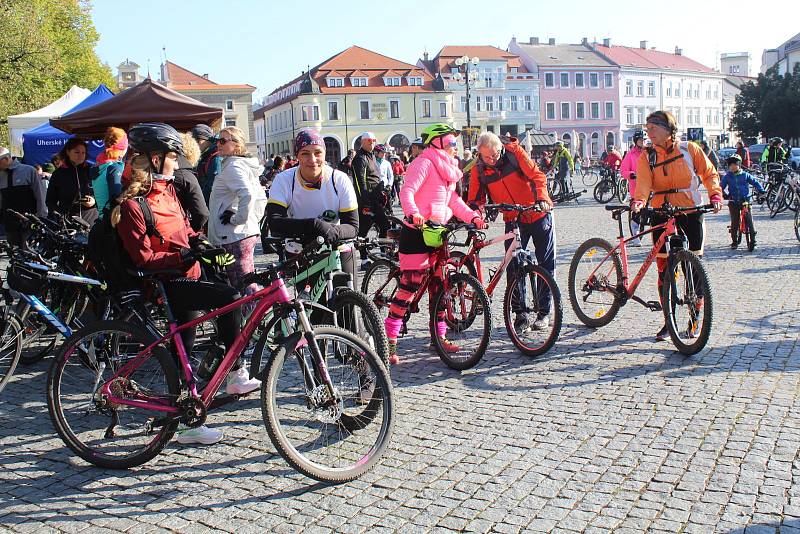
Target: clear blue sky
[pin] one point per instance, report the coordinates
(268, 43)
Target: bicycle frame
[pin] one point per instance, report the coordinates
(743, 211)
(474, 255)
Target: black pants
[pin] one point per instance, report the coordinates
(735, 210)
(375, 202)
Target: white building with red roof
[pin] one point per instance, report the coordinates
(354, 91)
(505, 96)
(651, 79)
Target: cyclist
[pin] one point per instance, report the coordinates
(506, 172)
(775, 153)
(562, 161)
(672, 171)
(174, 245)
(369, 190)
(612, 161)
(738, 182)
(385, 168)
(428, 193)
(313, 199)
(628, 171)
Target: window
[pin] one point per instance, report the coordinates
(628, 115)
(463, 103)
(513, 102)
(609, 110)
(513, 70)
(392, 81)
(697, 91)
(549, 79)
(716, 91)
(628, 87)
(550, 111)
(564, 79)
(564, 110)
(488, 80)
(335, 82)
(363, 108)
(608, 79)
(333, 111)
(580, 110)
(678, 113)
(426, 108)
(477, 103)
(358, 82)
(500, 102)
(708, 92)
(309, 113)
(528, 103)
(490, 103)
(651, 88)
(443, 109)
(415, 81)
(640, 115)
(230, 122)
(579, 81)
(709, 112)
(640, 88)
(394, 109)
(229, 105)
(669, 89)
(677, 89)
(594, 80)
(594, 110)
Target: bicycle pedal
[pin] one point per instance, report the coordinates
(654, 305)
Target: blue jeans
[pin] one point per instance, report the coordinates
(544, 244)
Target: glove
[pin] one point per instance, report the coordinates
(479, 223)
(225, 218)
(216, 257)
(200, 243)
(188, 256)
(326, 230)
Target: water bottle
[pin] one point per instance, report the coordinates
(210, 362)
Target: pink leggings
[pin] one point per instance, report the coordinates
(409, 284)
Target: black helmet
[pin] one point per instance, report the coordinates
(776, 140)
(155, 138)
(202, 132)
(638, 134)
(734, 158)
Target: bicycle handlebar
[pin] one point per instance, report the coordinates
(515, 207)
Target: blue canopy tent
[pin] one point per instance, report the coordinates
(40, 143)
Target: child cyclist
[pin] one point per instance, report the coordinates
(428, 193)
(736, 188)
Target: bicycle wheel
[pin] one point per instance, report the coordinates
(308, 427)
(40, 338)
(594, 276)
(532, 291)
(688, 309)
(622, 190)
(555, 188)
(791, 199)
(380, 284)
(104, 434)
(604, 191)
(797, 225)
(10, 347)
(778, 201)
(590, 178)
(750, 234)
(463, 310)
(357, 314)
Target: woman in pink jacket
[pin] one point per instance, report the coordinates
(628, 171)
(428, 193)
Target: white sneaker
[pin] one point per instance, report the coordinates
(240, 383)
(541, 323)
(202, 435)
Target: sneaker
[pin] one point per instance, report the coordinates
(448, 345)
(393, 358)
(663, 334)
(521, 323)
(240, 383)
(201, 435)
(542, 322)
(734, 245)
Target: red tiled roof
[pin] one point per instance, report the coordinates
(177, 75)
(355, 58)
(483, 52)
(358, 74)
(335, 74)
(627, 56)
(211, 87)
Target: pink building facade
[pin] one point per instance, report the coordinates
(578, 94)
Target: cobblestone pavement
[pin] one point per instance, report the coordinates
(610, 431)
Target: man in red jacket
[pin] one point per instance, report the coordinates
(505, 173)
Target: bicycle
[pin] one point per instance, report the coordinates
(782, 189)
(611, 185)
(603, 284)
(746, 227)
(531, 290)
(590, 174)
(129, 396)
(458, 298)
(561, 189)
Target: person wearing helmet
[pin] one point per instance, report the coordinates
(562, 161)
(775, 153)
(385, 168)
(736, 188)
(369, 191)
(612, 161)
(210, 163)
(428, 193)
(172, 244)
(417, 146)
(628, 171)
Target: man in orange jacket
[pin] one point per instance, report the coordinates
(505, 173)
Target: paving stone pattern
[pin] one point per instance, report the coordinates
(610, 431)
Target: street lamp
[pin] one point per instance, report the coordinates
(468, 76)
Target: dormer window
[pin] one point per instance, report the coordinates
(358, 81)
(391, 81)
(513, 70)
(415, 81)
(335, 82)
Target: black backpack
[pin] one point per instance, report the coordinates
(107, 253)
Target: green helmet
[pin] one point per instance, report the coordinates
(437, 130)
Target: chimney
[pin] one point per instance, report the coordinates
(678, 51)
(643, 45)
(551, 41)
(607, 42)
(585, 41)
(534, 40)
(205, 76)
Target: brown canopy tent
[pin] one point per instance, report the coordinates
(148, 101)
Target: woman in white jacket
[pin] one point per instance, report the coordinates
(236, 204)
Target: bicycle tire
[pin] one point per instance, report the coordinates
(607, 311)
(375, 334)
(679, 261)
(750, 235)
(791, 199)
(622, 190)
(10, 347)
(590, 178)
(277, 432)
(797, 225)
(536, 275)
(380, 284)
(110, 332)
(555, 189)
(604, 191)
(778, 200)
(480, 308)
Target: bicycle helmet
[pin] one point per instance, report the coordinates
(777, 140)
(559, 144)
(418, 142)
(155, 138)
(734, 158)
(437, 130)
(379, 148)
(638, 134)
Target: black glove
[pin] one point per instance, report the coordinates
(200, 243)
(225, 218)
(188, 256)
(326, 230)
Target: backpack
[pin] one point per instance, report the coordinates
(107, 253)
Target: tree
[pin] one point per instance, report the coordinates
(46, 46)
(769, 107)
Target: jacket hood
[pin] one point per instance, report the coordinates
(247, 162)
